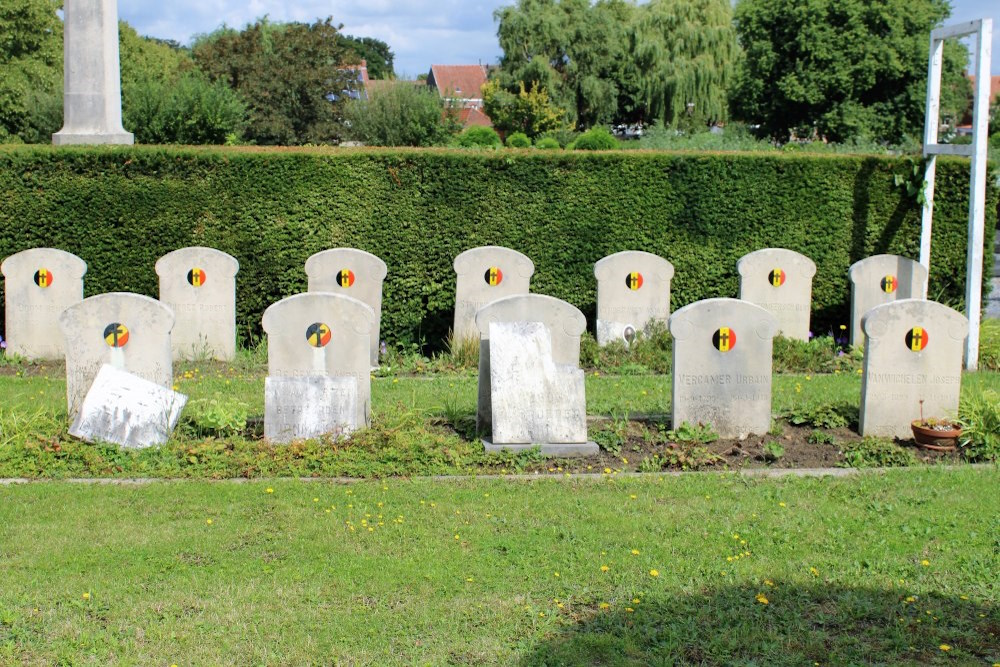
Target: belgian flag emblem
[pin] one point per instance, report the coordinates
(889, 284)
(43, 278)
(345, 277)
(197, 277)
(724, 339)
(318, 334)
(777, 277)
(116, 334)
(493, 276)
(916, 339)
(633, 280)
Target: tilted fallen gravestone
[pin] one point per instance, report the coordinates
(124, 409)
(913, 354)
(199, 284)
(353, 273)
(39, 285)
(484, 275)
(318, 361)
(633, 290)
(722, 366)
(780, 282)
(127, 331)
(882, 279)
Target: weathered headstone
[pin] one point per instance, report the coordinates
(128, 331)
(126, 410)
(780, 282)
(534, 401)
(39, 284)
(913, 353)
(633, 289)
(483, 276)
(317, 335)
(92, 95)
(353, 273)
(882, 279)
(722, 366)
(564, 322)
(199, 284)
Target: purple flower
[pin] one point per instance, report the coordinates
(383, 349)
(3, 343)
(840, 353)
(810, 335)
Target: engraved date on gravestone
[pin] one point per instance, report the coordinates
(493, 276)
(43, 278)
(318, 334)
(116, 334)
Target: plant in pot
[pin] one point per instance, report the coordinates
(935, 433)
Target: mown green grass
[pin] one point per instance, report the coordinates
(505, 572)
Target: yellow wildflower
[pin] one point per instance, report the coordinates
(761, 598)
(604, 568)
(654, 573)
(944, 647)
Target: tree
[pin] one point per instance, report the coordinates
(294, 77)
(30, 66)
(400, 114)
(529, 110)
(375, 52)
(841, 69)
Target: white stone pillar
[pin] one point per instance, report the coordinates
(92, 104)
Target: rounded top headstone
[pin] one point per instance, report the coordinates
(608, 267)
(333, 255)
(770, 258)
(686, 321)
(31, 259)
(475, 258)
(185, 259)
(360, 314)
(532, 308)
(159, 315)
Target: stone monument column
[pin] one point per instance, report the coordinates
(92, 105)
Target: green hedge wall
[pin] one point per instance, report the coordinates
(122, 208)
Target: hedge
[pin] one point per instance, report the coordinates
(122, 208)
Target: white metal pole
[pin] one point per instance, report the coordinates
(930, 138)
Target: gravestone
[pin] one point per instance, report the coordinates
(913, 353)
(564, 322)
(124, 409)
(92, 95)
(39, 284)
(780, 282)
(722, 366)
(633, 289)
(534, 401)
(484, 275)
(882, 279)
(199, 284)
(317, 335)
(128, 331)
(353, 273)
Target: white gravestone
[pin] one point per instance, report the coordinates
(484, 275)
(633, 289)
(325, 335)
(199, 284)
(353, 273)
(128, 331)
(565, 324)
(780, 282)
(39, 284)
(126, 410)
(535, 401)
(92, 95)
(913, 353)
(883, 279)
(722, 366)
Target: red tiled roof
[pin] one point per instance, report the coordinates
(994, 86)
(470, 116)
(458, 81)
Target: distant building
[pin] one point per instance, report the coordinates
(965, 126)
(462, 86)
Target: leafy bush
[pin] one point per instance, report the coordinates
(191, 110)
(649, 352)
(217, 417)
(824, 354)
(877, 453)
(823, 415)
(979, 416)
(547, 144)
(595, 139)
(518, 140)
(400, 114)
(564, 137)
(773, 451)
(683, 456)
(687, 433)
(478, 137)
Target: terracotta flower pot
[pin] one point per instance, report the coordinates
(938, 435)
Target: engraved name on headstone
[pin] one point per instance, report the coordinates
(780, 282)
(633, 289)
(128, 331)
(882, 279)
(913, 353)
(722, 366)
(38, 285)
(199, 284)
(353, 273)
(484, 275)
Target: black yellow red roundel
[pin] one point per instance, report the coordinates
(889, 284)
(318, 334)
(345, 277)
(633, 280)
(724, 339)
(116, 334)
(493, 276)
(196, 277)
(917, 339)
(777, 277)
(43, 278)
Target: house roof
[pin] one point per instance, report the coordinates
(458, 81)
(994, 86)
(470, 116)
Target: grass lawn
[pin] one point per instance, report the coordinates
(894, 568)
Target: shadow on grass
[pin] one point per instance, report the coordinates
(825, 625)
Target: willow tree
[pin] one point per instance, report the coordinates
(685, 53)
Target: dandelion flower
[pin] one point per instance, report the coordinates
(604, 568)
(604, 605)
(814, 571)
(633, 496)
(86, 596)
(654, 573)
(925, 562)
(208, 522)
(782, 505)
(456, 536)
(761, 598)
(768, 582)
(635, 552)
(944, 647)
(269, 490)
(629, 609)
(556, 573)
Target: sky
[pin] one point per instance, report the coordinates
(419, 32)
